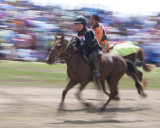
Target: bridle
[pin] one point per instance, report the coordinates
(64, 51)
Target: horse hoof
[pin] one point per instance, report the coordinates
(60, 109)
(116, 98)
(87, 104)
(143, 94)
(102, 109)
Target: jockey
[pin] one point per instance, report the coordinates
(99, 33)
(87, 43)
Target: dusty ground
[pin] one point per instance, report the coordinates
(36, 107)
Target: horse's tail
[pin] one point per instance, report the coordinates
(132, 71)
(146, 67)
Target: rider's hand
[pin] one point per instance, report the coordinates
(75, 49)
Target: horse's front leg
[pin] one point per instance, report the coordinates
(68, 87)
(82, 86)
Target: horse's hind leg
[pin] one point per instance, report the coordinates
(116, 97)
(104, 87)
(68, 87)
(82, 86)
(140, 75)
(110, 98)
(134, 73)
(113, 83)
(138, 84)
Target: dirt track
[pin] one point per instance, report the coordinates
(36, 107)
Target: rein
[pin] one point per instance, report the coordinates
(59, 54)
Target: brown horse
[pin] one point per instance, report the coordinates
(133, 57)
(140, 56)
(112, 68)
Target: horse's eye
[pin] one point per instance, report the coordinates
(58, 46)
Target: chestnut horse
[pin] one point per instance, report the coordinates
(139, 55)
(112, 68)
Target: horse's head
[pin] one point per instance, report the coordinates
(57, 50)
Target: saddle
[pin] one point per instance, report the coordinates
(87, 59)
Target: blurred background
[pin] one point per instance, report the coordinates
(27, 27)
(30, 89)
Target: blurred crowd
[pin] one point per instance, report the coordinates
(27, 30)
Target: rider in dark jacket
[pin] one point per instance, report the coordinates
(87, 43)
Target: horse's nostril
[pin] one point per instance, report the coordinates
(48, 60)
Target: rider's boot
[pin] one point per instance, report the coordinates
(95, 65)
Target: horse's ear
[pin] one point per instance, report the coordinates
(56, 38)
(62, 38)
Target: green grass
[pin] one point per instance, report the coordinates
(13, 73)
